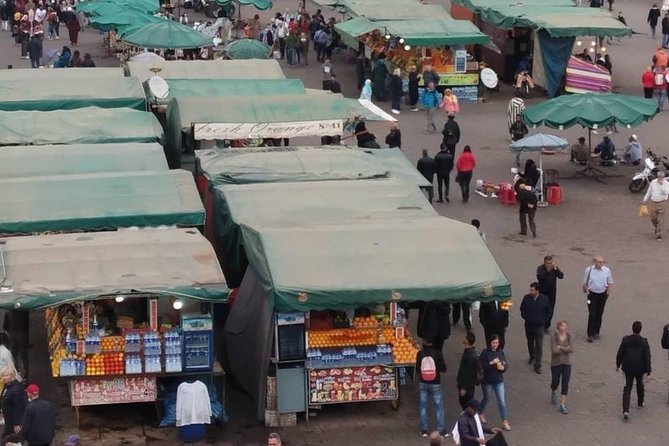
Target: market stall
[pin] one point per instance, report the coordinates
(130, 314)
(57, 75)
(206, 69)
(99, 201)
(324, 317)
(87, 125)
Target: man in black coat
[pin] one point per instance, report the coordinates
(443, 164)
(494, 320)
(13, 404)
(665, 30)
(466, 379)
(634, 358)
(547, 275)
(433, 323)
(468, 428)
(425, 166)
(35, 50)
(527, 202)
(653, 18)
(535, 310)
(39, 421)
(451, 134)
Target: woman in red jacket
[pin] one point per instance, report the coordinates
(465, 166)
(648, 82)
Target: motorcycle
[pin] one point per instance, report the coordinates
(651, 165)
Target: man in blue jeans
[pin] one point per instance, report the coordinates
(429, 365)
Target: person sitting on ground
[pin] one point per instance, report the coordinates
(580, 153)
(606, 151)
(365, 138)
(633, 152)
(87, 62)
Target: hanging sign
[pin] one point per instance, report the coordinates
(327, 127)
(352, 384)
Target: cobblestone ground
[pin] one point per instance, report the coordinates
(595, 219)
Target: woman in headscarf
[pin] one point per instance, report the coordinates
(366, 92)
(73, 26)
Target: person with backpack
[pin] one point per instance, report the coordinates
(660, 77)
(494, 365)
(470, 372)
(561, 349)
(634, 358)
(430, 362)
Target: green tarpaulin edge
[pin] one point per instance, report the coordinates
(73, 103)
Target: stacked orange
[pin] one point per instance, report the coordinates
(95, 365)
(404, 351)
(342, 337)
(365, 322)
(113, 343)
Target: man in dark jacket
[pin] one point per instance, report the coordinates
(527, 202)
(665, 30)
(468, 428)
(466, 379)
(425, 166)
(39, 422)
(17, 325)
(535, 310)
(433, 323)
(653, 17)
(13, 404)
(547, 276)
(634, 358)
(443, 164)
(35, 50)
(451, 134)
(494, 320)
(431, 389)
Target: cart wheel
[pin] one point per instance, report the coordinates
(395, 404)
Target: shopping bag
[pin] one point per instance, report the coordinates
(643, 211)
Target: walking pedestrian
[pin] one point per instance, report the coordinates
(326, 73)
(425, 166)
(413, 88)
(450, 102)
(665, 30)
(561, 349)
(597, 283)
(451, 132)
(470, 430)
(518, 131)
(429, 75)
(38, 427)
(73, 27)
(467, 378)
(366, 92)
(527, 208)
(535, 311)
(494, 365)
(443, 164)
(660, 81)
(465, 309)
(35, 50)
(610, 2)
(656, 196)
(396, 91)
(465, 167)
(431, 104)
(494, 320)
(379, 74)
(548, 274)
(634, 358)
(430, 362)
(653, 17)
(648, 83)
(13, 402)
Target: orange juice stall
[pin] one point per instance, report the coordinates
(443, 42)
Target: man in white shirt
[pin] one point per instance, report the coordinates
(597, 282)
(656, 195)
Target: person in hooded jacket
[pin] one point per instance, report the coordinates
(364, 137)
(443, 164)
(451, 132)
(433, 323)
(366, 92)
(634, 358)
(379, 74)
(633, 152)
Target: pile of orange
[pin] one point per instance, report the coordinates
(404, 351)
(113, 343)
(341, 337)
(369, 322)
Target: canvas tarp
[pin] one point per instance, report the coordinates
(339, 266)
(399, 166)
(89, 125)
(404, 10)
(207, 69)
(48, 270)
(308, 205)
(227, 87)
(57, 75)
(37, 161)
(111, 92)
(286, 164)
(96, 202)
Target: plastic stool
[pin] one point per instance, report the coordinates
(555, 194)
(506, 194)
(192, 433)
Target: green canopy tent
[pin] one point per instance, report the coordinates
(247, 49)
(346, 265)
(122, 20)
(167, 34)
(207, 69)
(45, 270)
(88, 125)
(258, 4)
(56, 75)
(38, 161)
(104, 7)
(110, 92)
(101, 201)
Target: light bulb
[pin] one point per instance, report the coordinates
(579, 43)
(593, 43)
(119, 299)
(401, 40)
(592, 50)
(387, 36)
(407, 47)
(177, 304)
(603, 49)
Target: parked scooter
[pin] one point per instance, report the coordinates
(650, 168)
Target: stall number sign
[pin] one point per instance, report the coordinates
(352, 384)
(447, 80)
(327, 127)
(91, 392)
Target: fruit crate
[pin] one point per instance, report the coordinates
(273, 419)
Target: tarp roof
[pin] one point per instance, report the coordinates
(399, 166)
(286, 164)
(95, 202)
(58, 75)
(48, 270)
(111, 92)
(36, 161)
(559, 18)
(207, 69)
(308, 205)
(403, 10)
(424, 31)
(83, 125)
(337, 266)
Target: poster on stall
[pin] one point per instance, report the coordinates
(91, 392)
(352, 384)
